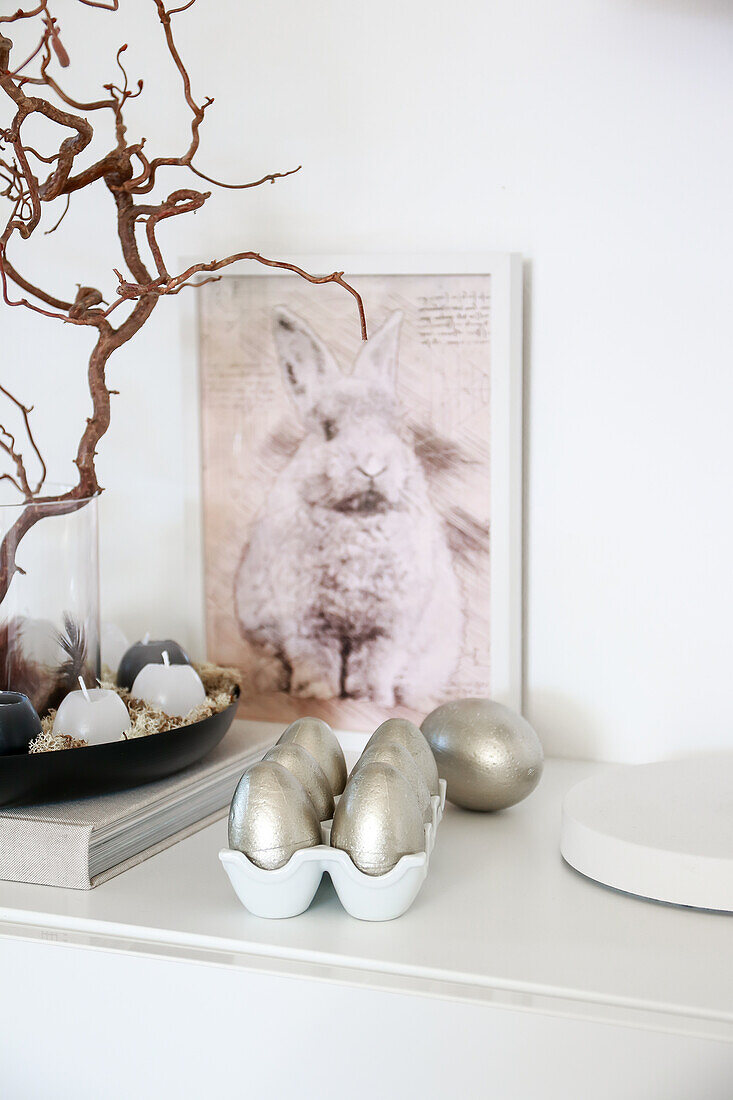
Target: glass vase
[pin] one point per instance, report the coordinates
(49, 616)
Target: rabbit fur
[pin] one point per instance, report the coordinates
(348, 578)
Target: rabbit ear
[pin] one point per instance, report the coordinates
(305, 360)
(378, 357)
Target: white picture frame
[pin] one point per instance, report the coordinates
(505, 272)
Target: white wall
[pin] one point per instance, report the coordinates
(594, 136)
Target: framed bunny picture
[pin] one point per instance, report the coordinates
(362, 500)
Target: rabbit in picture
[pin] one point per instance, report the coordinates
(348, 577)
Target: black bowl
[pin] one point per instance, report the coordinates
(71, 773)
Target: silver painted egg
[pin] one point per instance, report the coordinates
(310, 773)
(271, 816)
(489, 755)
(407, 734)
(378, 820)
(391, 752)
(321, 742)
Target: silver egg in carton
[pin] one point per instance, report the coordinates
(289, 890)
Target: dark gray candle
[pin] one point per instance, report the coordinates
(148, 653)
(19, 723)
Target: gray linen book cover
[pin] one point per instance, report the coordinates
(82, 843)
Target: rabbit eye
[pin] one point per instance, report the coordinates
(329, 429)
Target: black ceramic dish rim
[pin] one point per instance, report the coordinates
(95, 748)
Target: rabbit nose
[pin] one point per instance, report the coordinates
(372, 467)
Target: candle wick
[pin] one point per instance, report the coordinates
(83, 687)
(166, 658)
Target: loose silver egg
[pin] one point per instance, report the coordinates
(406, 733)
(391, 752)
(271, 816)
(378, 820)
(310, 773)
(489, 755)
(321, 742)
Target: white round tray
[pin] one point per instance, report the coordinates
(663, 831)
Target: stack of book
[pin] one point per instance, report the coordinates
(83, 843)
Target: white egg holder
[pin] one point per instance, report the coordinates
(289, 890)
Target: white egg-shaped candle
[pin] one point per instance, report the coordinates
(94, 715)
(174, 689)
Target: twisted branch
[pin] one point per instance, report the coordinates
(127, 172)
(8, 444)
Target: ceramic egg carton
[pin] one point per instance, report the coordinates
(289, 890)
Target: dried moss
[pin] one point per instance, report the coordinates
(221, 685)
(50, 742)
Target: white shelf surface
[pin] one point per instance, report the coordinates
(500, 920)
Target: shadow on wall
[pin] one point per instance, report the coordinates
(571, 726)
(526, 457)
(700, 8)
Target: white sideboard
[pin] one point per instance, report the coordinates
(511, 976)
